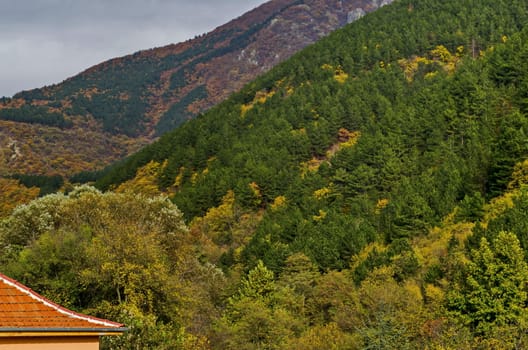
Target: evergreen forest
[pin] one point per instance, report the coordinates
(371, 192)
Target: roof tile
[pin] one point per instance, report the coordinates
(21, 307)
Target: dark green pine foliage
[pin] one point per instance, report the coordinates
(35, 115)
(178, 112)
(47, 184)
(427, 144)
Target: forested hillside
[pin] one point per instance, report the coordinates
(370, 192)
(112, 109)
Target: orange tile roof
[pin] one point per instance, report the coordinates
(23, 309)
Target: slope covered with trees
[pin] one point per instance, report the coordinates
(370, 192)
(404, 108)
(112, 109)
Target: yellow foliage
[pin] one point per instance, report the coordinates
(145, 181)
(224, 212)
(255, 188)
(310, 166)
(299, 132)
(413, 289)
(519, 176)
(225, 228)
(321, 216)
(382, 275)
(245, 108)
(432, 248)
(13, 194)
(193, 342)
(257, 194)
(430, 75)
(260, 97)
(345, 139)
(280, 82)
(194, 178)
(322, 193)
(460, 51)
(434, 294)
(442, 53)
(278, 202)
(216, 226)
(179, 177)
(339, 74)
(237, 253)
(365, 252)
(410, 66)
(328, 337)
(382, 203)
(353, 138)
(498, 205)
(446, 59)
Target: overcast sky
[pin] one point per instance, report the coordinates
(43, 42)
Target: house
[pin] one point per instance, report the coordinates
(30, 321)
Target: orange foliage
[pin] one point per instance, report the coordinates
(13, 103)
(12, 193)
(45, 150)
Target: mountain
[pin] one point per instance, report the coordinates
(369, 192)
(377, 133)
(114, 108)
(364, 78)
(374, 134)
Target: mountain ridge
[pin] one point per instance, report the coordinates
(131, 100)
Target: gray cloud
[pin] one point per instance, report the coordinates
(46, 41)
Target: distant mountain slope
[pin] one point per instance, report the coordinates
(122, 104)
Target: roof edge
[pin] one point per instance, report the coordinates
(32, 294)
(68, 332)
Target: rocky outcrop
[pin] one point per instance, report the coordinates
(355, 14)
(359, 12)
